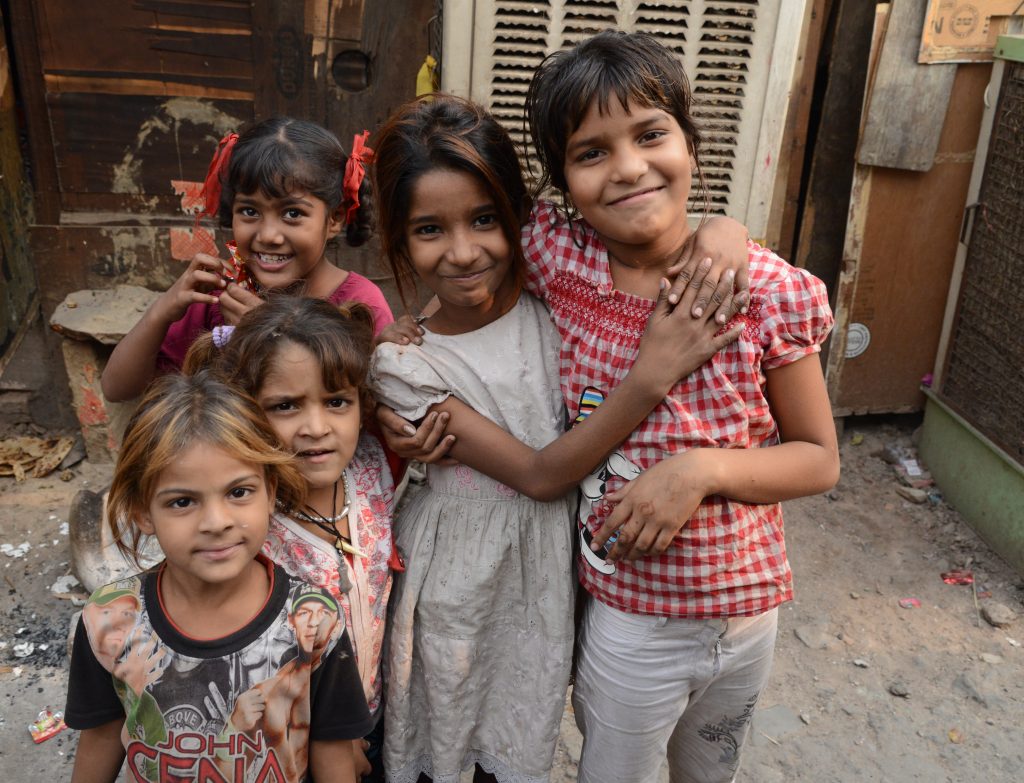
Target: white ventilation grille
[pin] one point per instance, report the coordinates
(738, 54)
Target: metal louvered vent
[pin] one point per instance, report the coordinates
(738, 54)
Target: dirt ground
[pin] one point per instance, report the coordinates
(862, 689)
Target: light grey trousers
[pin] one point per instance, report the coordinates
(650, 687)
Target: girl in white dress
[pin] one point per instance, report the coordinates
(481, 628)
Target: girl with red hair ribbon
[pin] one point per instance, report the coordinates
(284, 188)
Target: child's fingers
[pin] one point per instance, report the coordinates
(394, 424)
(720, 300)
(743, 288)
(728, 337)
(439, 454)
(643, 545)
(686, 277)
(430, 432)
(707, 290)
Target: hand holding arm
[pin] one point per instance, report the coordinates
(427, 443)
(403, 331)
(720, 244)
(673, 346)
(653, 508)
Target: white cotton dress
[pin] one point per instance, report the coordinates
(481, 626)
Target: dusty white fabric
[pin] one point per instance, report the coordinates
(481, 629)
(651, 687)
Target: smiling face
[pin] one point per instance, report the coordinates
(320, 425)
(458, 249)
(629, 173)
(210, 513)
(283, 239)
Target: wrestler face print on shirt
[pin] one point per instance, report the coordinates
(282, 240)
(459, 251)
(629, 174)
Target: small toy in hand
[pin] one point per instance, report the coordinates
(237, 271)
(47, 724)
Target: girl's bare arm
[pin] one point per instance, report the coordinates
(132, 365)
(673, 346)
(654, 507)
(100, 754)
(332, 761)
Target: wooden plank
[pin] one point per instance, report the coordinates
(964, 32)
(205, 43)
(822, 223)
(72, 258)
(908, 100)
(347, 19)
(135, 86)
(283, 64)
(905, 264)
(137, 144)
(841, 342)
(786, 202)
(392, 83)
(46, 185)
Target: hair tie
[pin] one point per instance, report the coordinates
(221, 334)
(355, 172)
(211, 185)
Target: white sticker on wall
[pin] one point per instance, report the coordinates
(858, 338)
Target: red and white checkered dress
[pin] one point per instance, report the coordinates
(730, 559)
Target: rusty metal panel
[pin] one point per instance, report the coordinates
(986, 359)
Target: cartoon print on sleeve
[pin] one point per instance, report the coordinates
(594, 486)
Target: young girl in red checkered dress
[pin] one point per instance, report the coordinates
(480, 629)
(677, 641)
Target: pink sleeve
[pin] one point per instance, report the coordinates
(540, 242)
(357, 288)
(200, 317)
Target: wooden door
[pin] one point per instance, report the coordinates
(125, 100)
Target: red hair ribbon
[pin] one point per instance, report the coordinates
(355, 172)
(211, 185)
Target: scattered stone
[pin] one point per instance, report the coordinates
(972, 683)
(956, 736)
(991, 658)
(855, 596)
(898, 688)
(23, 649)
(105, 315)
(1013, 642)
(911, 494)
(833, 495)
(64, 584)
(774, 723)
(861, 663)
(805, 718)
(891, 453)
(16, 551)
(998, 614)
(814, 636)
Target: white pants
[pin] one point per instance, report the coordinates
(649, 687)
